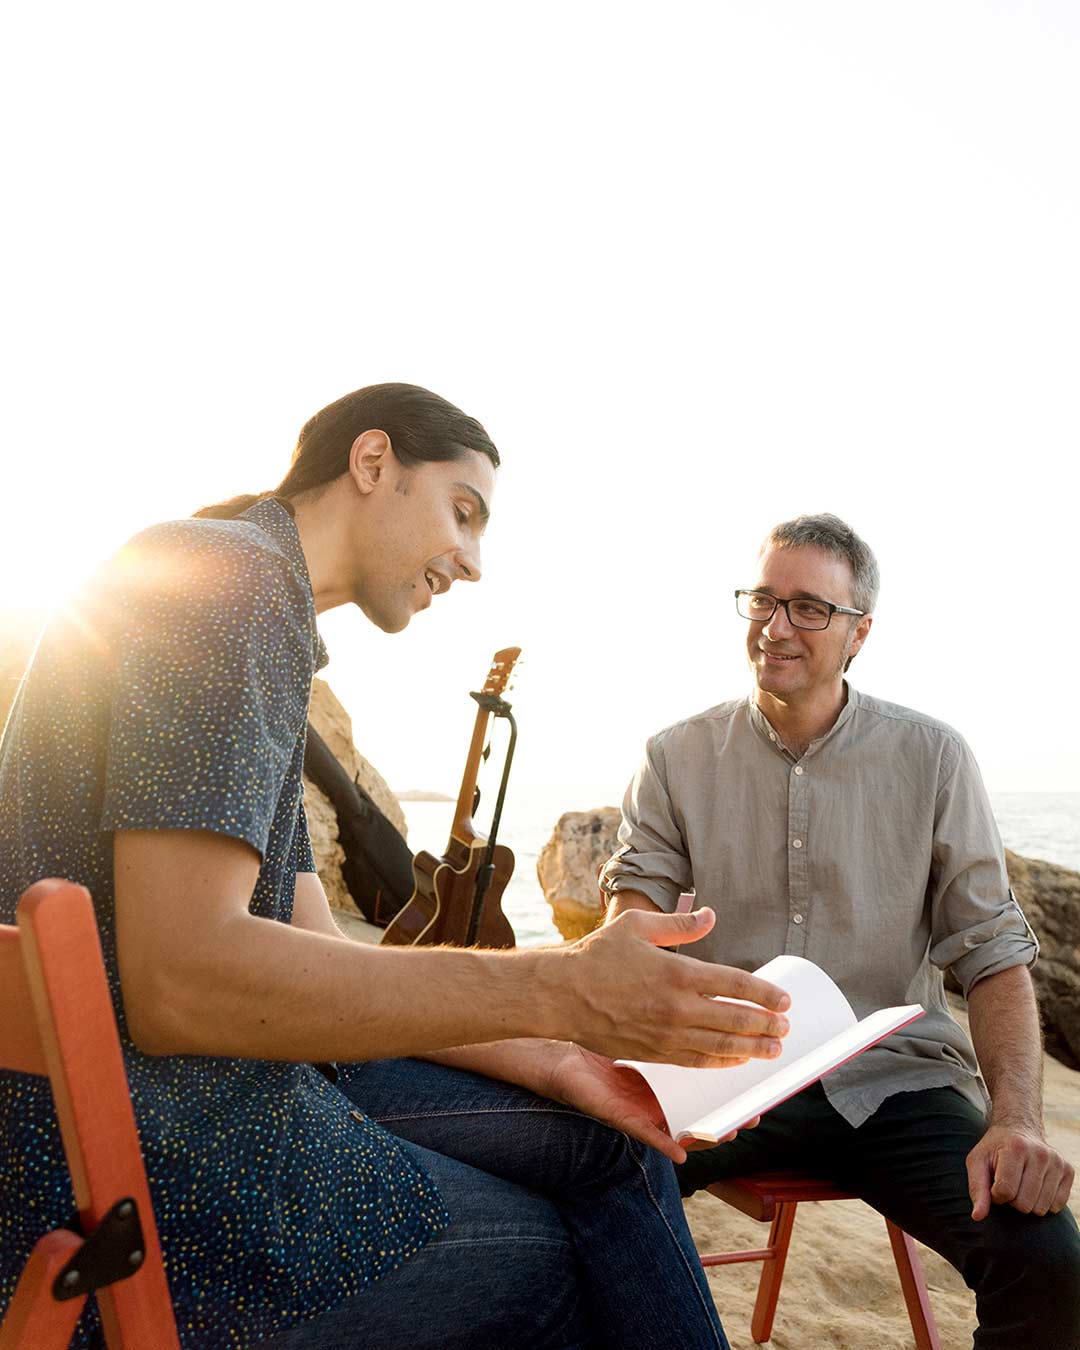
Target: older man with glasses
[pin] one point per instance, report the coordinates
(823, 823)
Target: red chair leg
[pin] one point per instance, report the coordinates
(34, 1318)
(772, 1274)
(913, 1283)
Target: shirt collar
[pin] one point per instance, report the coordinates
(276, 520)
(764, 727)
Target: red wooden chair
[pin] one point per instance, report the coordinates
(56, 1019)
(773, 1197)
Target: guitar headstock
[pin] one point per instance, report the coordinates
(502, 666)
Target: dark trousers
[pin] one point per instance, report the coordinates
(907, 1161)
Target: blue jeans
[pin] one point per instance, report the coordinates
(563, 1232)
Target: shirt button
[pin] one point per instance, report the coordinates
(772, 735)
(798, 768)
(357, 1115)
(796, 843)
(796, 918)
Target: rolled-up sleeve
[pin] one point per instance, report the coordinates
(652, 857)
(977, 927)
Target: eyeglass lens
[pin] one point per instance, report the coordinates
(759, 607)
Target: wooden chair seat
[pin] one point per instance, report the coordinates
(772, 1197)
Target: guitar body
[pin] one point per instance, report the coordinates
(439, 911)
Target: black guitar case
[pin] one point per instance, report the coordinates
(378, 862)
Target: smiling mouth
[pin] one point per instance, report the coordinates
(436, 583)
(778, 656)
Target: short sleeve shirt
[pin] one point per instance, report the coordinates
(172, 693)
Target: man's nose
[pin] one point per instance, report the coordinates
(468, 563)
(778, 626)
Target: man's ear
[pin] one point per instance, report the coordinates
(862, 631)
(369, 458)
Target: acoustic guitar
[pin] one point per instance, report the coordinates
(457, 897)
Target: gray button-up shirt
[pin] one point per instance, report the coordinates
(875, 855)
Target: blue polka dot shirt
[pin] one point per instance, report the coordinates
(172, 693)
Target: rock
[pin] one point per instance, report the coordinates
(1048, 894)
(332, 723)
(568, 864)
(1050, 897)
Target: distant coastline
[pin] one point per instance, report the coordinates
(419, 795)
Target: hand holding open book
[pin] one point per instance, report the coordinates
(706, 1104)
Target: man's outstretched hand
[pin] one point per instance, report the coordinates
(1016, 1166)
(619, 993)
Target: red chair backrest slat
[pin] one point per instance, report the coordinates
(63, 994)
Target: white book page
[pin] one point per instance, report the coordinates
(824, 1033)
(800, 1073)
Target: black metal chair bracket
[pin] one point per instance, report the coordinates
(112, 1252)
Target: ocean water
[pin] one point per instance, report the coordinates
(1036, 824)
(528, 820)
(1042, 825)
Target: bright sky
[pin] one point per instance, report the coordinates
(697, 267)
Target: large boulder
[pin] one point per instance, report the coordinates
(568, 864)
(1049, 895)
(333, 724)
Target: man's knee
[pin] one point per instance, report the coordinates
(701, 1168)
(1039, 1254)
(597, 1157)
(765, 1149)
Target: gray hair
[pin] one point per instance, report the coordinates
(830, 534)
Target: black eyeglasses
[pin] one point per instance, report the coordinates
(760, 606)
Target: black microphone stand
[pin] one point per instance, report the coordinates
(498, 707)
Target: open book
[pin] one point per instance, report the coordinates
(709, 1103)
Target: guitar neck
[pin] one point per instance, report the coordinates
(463, 828)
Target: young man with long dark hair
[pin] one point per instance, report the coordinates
(514, 1193)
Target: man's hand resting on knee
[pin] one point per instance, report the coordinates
(1012, 1164)
(1017, 1167)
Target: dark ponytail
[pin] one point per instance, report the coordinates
(235, 506)
(423, 429)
